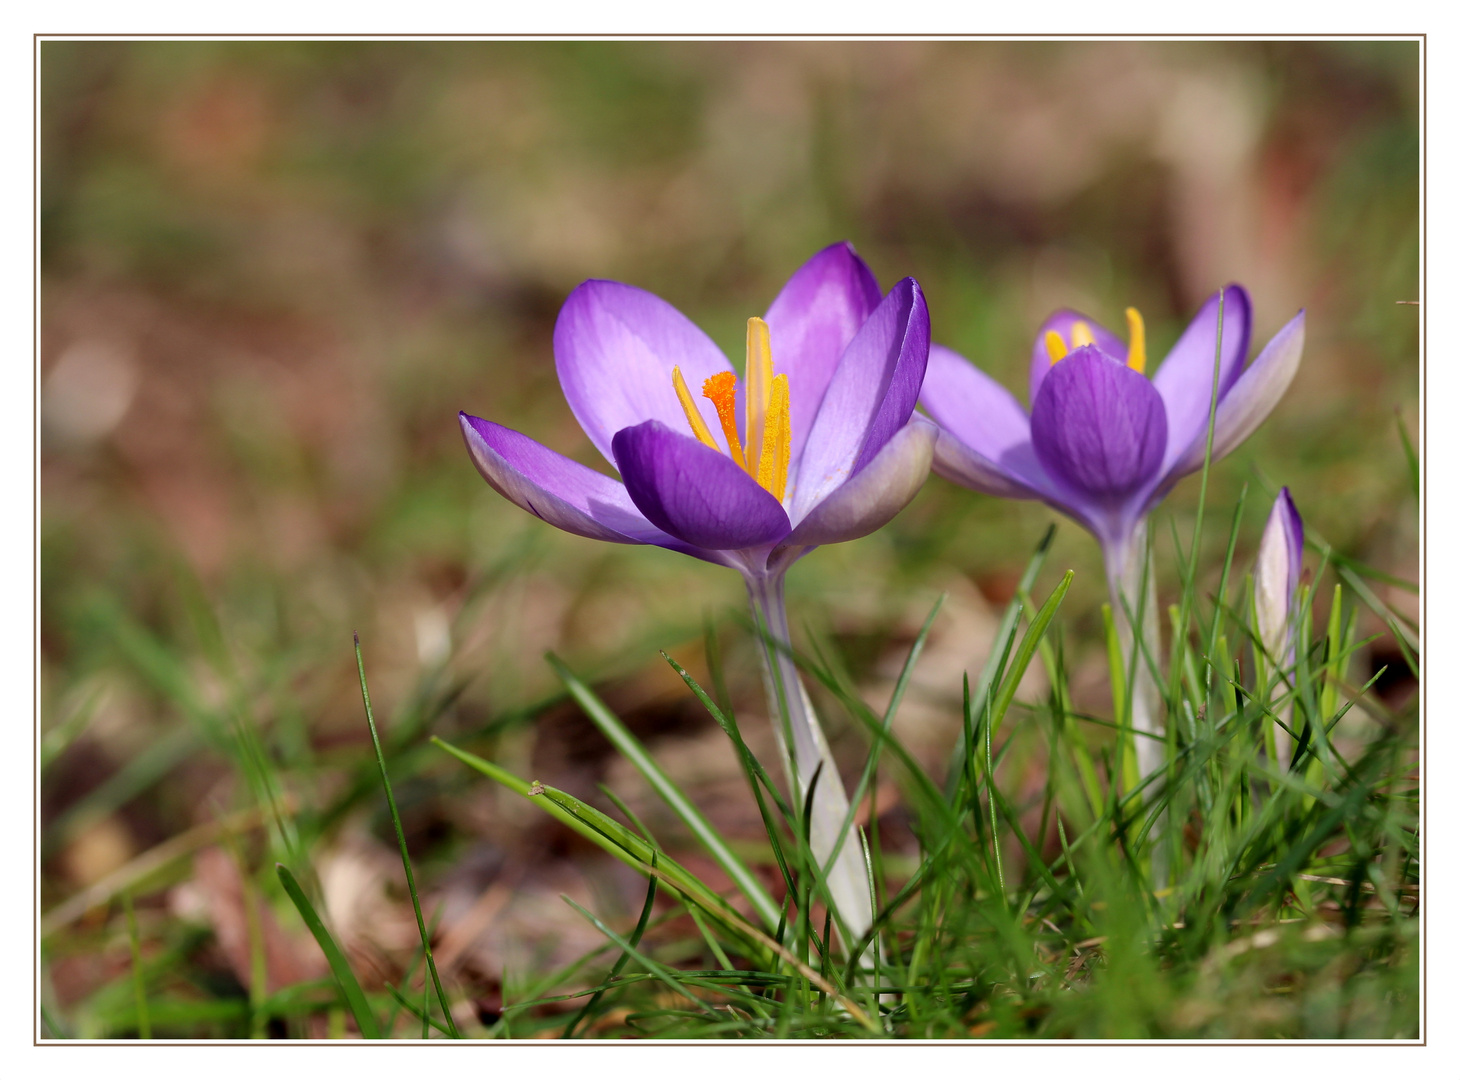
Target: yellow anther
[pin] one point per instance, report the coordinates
(775, 456)
(1080, 335)
(720, 389)
(757, 386)
(1136, 357)
(767, 453)
(692, 411)
(1055, 346)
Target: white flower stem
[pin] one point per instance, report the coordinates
(803, 747)
(1127, 567)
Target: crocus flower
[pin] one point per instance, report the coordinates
(1104, 443)
(1275, 577)
(816, 444)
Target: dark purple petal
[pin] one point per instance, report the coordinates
(1184, 378)
(560, 491)
(1062, 321)
(870, 397)
(816, 315)
(875, 495)
(1098, 427)
(1293, 534)
(1253, 395)
(695, 493)
(616, 349)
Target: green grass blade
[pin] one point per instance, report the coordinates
(400, 836)
(623, 958)
(144, 1020)
(1032, 637)
(631, 950)
(612, 837)
(875, 753)
(1410, 457)
(613, 728)
(348, 985)
(1007, 628)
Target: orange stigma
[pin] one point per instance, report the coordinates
(767, 453)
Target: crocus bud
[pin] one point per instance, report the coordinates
(1275, 575)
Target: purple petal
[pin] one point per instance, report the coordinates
(871, 395)
(557, 489)
(1254, 394)
(1062, 321)
(986, 429)
(616, 349)
(812, 321)
(1098, 427)
(1293, 532)
(875, 495)
(695, 493)
(956, 461)
(1184, 378)
(1276, 572)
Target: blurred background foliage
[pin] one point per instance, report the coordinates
(272, 272)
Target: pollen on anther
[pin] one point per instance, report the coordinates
(1055, 346)
(720, 389)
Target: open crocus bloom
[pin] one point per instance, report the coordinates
(816, 445)
(1102, 442)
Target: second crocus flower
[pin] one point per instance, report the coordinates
(1103, 442)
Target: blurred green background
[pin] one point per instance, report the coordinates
(273, 272)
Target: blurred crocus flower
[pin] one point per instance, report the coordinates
(815, 445)
(1104, 443)
(1275, 577)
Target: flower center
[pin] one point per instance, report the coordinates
(767, 452)
(1080, 335)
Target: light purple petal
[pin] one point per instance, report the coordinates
(1184, 378)
(1062, 321)
(1276, 572)
(557, 489)
(1098, 427)
(871, 395)
(980, 414)
(816, 315)
(616, 348)
(875, 495)
(1254, 394)
(956, 461)
(694, 493)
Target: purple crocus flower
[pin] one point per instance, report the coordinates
(816, 444)
(1104, 443)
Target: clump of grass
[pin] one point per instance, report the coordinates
(1232, 894)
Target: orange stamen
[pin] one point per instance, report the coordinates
(720, 389)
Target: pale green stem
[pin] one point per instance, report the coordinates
(803, 747)
(1126, 566)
